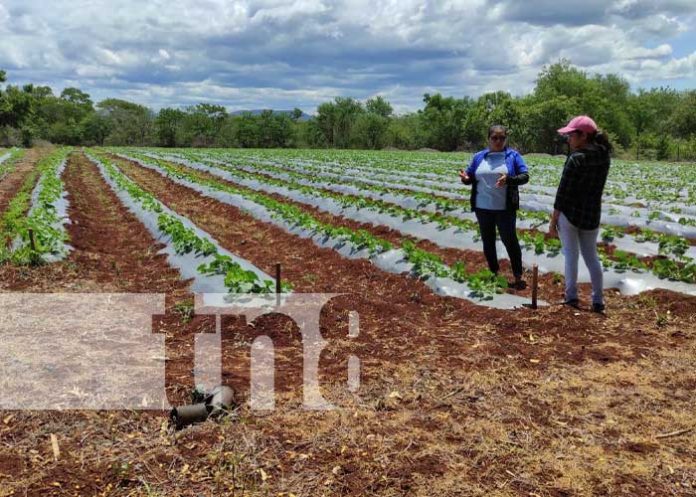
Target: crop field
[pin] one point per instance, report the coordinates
(464, 388)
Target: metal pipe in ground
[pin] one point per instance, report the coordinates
(535, 285)
(220, 400)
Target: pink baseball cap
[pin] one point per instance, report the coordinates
(579, 123)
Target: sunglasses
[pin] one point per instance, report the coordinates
(498, 138)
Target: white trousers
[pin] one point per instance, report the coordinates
(575, 241)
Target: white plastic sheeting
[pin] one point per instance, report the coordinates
(530, 202)
(629, 283)
(627, 243)
(61, 206)
(541, 197)
(612, 214)
(187, 264)
(392, 261)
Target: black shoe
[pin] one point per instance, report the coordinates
(572, 303)
(599, 308)
(518, 285)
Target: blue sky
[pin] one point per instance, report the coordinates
(275, 54)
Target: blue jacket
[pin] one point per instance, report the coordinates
(517, 175)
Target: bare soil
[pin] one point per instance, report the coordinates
(455, 398)
(12, 181)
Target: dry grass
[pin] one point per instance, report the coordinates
(584, 429)
(453, 403)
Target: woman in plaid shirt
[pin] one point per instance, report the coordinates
(578, 205)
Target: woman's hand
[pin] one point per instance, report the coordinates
(553, 223)
(463, 175)
(553, 229)
(502, 180)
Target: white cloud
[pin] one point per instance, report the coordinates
(259, 53)
(4, 17)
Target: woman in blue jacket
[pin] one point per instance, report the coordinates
(495, 174)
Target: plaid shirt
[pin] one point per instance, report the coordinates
(579, 194)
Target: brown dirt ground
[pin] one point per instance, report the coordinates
(548, 286)
(11, 183)
(455, 399)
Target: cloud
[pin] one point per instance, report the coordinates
(268, 53)
(550, 12)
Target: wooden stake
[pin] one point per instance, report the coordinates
(55, 447)
(31, 240)
(535, 285)
(278, 284)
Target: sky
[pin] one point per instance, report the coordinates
(274, 54)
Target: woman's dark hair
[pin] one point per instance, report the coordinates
(497, 127)
(600, 138)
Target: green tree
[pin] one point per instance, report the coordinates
(443, 118)
(167, 126)
(203, 123)
(296, 114)
(369, 131)
(346, 113)
(247, 130)
(94, 129)
(379, 106)
(682, 123)
(130, 123)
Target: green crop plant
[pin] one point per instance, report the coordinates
(186, 241)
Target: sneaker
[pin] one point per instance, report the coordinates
(572, 303)
(596, 307)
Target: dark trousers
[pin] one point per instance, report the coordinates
(505, 221)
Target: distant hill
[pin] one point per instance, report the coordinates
(256, 112)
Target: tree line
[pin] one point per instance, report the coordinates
(659, 123)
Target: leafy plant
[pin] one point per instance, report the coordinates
(185, 241)
(485, 284)
(623, 261)
(609, 233)
(237, 279)
(185, 310)
(425, 264)
(671, 244)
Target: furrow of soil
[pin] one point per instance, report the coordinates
(398, 314)
(112, 253)
(549, 287)
(456, 399)
(12, 182)
(476, 257)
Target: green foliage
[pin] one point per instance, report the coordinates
(656, 123)
(673, 270)
(425, 264)
(624, 261)
(42, 221)
(609, 233)
(167, 126)
(237, 280)
(672, 244)
(369, 131)
(185, 240)
(484, 284)
(443, 119)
